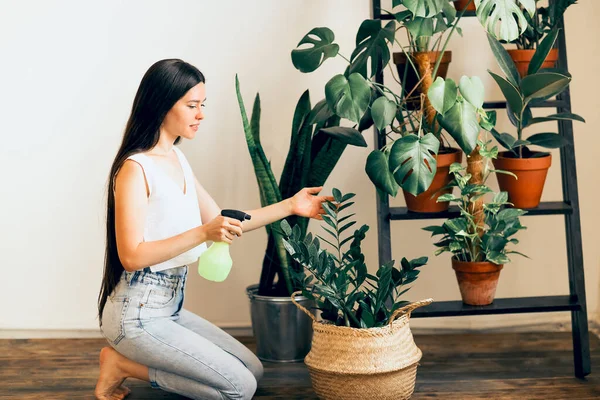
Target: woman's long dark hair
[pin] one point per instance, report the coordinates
(162, 86)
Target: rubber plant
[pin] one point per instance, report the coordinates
(316, 145)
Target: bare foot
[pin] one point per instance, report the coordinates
(111, 376)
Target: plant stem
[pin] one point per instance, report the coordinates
(437, 64)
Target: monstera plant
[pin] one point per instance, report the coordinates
(408, 159)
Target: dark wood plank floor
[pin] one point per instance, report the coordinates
(470, 366)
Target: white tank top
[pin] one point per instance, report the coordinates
(170, 211)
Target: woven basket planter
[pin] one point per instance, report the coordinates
(375, 363)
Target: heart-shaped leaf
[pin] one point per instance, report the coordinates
(378, 170)
(372, 42)
(442, 94)
(511, 93)
(420, 27)
(383, 112)
(348, 98)
(309, 59)
(542, 52)
(346, 135)
(548, 140)
(504, 18)
(544, 84)
(412, 162)
(461, 123)
(472, 90)
(425, 8)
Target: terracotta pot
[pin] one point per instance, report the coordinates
(461, 4)
(411, 76)
(426, 201)
(526, 190)
(522, 59)
(477, 281)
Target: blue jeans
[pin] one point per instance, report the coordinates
(143, 320)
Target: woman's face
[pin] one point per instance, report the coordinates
(184, 117)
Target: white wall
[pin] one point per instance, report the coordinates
(69, 73)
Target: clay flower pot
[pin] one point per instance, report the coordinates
(477, 281)
(426, 201)
(522, 59)
(411, 76)
(526, 190)
(461, 4)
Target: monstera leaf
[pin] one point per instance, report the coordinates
(309, 59)
(412, 162)
(348, 98)
(372, 43)
(423, 8)
(504, 18)
(378, 170)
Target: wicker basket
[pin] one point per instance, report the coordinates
(360, 364)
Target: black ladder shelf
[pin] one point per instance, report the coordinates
(575, 302)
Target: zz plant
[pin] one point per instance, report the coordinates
(337, 279)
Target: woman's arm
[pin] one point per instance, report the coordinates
(131, 206)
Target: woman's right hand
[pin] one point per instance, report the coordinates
(222, 229)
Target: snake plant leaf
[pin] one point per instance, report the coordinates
(425, 8)
(309, 59)
(420, 27)
(412, 162)
(472, 90)
(542, 51)
(326, 151)
(383, 112)
(346, 135)
(557, 117)
(461, 123)
(505, 62)
(348, 98)
(548, 140)
(504, 18)
(297, 163)
(511, 93)
(262, 168)
(378, 171)
(442, 94)
(372, 42)
(544, 84)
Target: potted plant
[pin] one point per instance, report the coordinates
(362, 347)
(467, 5)
(529, 168)
(412, 158)
(282, 332)
(479, 236)
(543, 24)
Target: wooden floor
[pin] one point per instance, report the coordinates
(474, 366)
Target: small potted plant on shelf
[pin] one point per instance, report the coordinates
(362, 346)
(479, 236)
(282, 332)
(543, 24)
(529, 167)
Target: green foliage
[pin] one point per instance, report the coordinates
(521, 94)
(463, 236)
(338, 279)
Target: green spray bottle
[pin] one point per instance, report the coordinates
(215, 263)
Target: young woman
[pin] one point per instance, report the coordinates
(158, 219)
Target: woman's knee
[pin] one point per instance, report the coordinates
(244, 386)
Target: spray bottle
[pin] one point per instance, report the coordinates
(215, 263)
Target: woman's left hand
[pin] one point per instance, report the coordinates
(306, 204)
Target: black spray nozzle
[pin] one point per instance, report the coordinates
(239, 215)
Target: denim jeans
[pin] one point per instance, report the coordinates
(143, 320)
